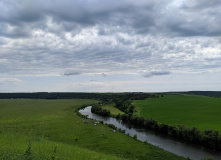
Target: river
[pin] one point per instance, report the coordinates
(194, 152)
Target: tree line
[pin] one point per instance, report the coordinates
(103, 97)
(96, 108)
(125, 103)
(208, 138)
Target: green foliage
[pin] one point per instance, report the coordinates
(125, 106)
(96, 108)
(112, 126)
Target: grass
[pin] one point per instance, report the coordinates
(51, 123)
(199, 111)
(112, 109)
(25, 147)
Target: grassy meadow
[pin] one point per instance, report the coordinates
(51, 129)
(199, 111)
(27, 147)
(113, 110)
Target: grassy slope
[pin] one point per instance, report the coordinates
(44, 149)
(57, 122)
(199, 111)
(112, 109)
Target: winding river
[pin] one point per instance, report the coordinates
(176, 147)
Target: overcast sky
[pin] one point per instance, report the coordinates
(110, 45)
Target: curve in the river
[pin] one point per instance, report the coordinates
(178, 148)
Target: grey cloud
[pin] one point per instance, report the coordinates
(104, 75)
(2, 41)
(213, 62)
(72, 74)
(84, 13)
(13, 31)
(178, 21)
(156, 73)
(106, 36)
(211, 59)
(124, 41)
(95, 57)
(142, 17)
(200, 4)
(191, 19)
(19, 12)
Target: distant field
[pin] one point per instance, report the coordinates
(199, 111)
(51, 123)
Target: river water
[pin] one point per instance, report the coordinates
(176, 147)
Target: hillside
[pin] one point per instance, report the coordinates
(52, 126)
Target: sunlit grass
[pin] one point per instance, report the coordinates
(199, 111)
(40, 148)
(112, 109)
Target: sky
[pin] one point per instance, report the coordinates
(110, 45)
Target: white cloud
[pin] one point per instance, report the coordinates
(10, 80)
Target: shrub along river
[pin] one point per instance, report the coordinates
(194, 152)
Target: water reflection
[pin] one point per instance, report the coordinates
(176, 147)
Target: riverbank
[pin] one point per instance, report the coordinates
(183, 149)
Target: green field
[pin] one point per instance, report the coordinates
(41, 149)
(112, 109)
(36, 127)
(199, 111)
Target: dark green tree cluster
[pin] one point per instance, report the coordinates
(98, 110)
(141, 96)
(124, 102)
(112, 126)
(125, 106)
(208, 138)
(204, 93)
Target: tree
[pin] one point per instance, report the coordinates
(208, 158)
(163, 128)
